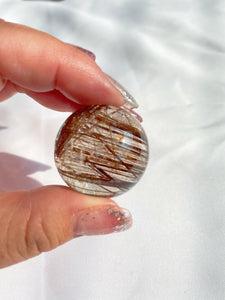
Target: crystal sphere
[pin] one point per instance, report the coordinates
(101, 150)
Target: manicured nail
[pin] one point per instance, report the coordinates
(130, 102)
(89, 53)
(2, 83)
(102, 220)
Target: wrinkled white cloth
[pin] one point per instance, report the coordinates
(171, 56)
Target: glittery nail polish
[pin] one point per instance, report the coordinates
(130, 102)
(102, 220)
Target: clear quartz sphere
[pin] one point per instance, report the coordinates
(101, 150)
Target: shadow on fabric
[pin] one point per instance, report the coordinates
(3, 127)
(15, 171)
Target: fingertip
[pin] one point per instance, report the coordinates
(101, 220)
(40, 220)
(84, 214)
(36, 61)
(81, 80)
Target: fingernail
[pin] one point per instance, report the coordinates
(102, 220)
(89, 53)
(2, 83)
(130, 102)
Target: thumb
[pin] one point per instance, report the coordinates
(32, 222)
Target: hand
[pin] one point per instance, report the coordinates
(61, 77)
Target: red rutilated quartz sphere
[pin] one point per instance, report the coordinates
(101, 150)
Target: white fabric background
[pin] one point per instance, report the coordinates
(171, 56)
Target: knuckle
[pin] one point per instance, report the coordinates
(26, 229)
(39, 237)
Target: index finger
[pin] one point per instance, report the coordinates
(39, 62)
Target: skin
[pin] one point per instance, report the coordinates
(62, 78)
